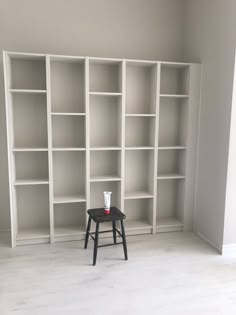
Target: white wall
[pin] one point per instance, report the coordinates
(145, 29)
(210, 37)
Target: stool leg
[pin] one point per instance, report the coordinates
(114, 231)
(95, 250)
(87, 232)
(124, 239)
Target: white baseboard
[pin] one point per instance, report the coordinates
(229, 249)
(219, 250)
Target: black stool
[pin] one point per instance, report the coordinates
(99, 216)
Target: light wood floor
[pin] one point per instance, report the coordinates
(174, 273)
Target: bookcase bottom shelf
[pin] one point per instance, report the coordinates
(33, 236)
(68, 230)
(169, 224)
(69, 233)
(134, 227)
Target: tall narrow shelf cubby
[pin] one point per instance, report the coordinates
(105, 142)
(26, 111)
(79, 126)
(68, 146)
(172, 144)
(140, 142)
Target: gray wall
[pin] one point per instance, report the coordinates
(210, 38)
(142, 29)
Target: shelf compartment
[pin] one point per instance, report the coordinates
(139, 168)
(97, 189)
(68, 85)
(105, 121)
(139, 131)
(105, 76)
(69, 176)
(29, 120)
(69, 219)
(31, 167)
(173, 122)
(171, 164)
(174, 79)
(139, 216)
(105, 165)
(68, 131)
(170, 205)
(28, 73)
(141, 88)
(32, 211)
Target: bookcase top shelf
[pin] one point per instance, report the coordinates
(99, 60)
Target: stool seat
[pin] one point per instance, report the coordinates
(98, 215)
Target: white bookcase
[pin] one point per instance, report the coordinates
(78, 126)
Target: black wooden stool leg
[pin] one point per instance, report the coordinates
(114, 231)
(95, 250)
(124, 239)
(87, 232)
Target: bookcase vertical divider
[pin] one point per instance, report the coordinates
(123, 136)
(50, 158)
(156, 146)
(87, 124)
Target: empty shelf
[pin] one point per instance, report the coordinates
(170, 176)
(69, 199)
(140, 115)
(105, 93)
(139, 148)
(175, 95)
(29, 149)
(31, 182)
(104, 148)
(138, 195)
(68, 149)
(173, 147)
(68, 230)
(26, 234)
(136, 224)
(104, 178)
(27, 91)
(67, 114)
(170, 224)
